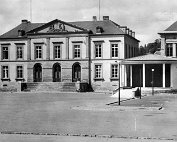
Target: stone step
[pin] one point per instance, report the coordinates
(50, 86)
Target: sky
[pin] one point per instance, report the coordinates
(145, 17)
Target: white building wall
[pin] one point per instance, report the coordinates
(174, 76)
(13, 49)
(44, 47)
(63, 47)
(82, 42)
(106, 50)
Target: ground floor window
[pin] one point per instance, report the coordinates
(19, 71)
(98, 71)
(114, 71)
(5, 72)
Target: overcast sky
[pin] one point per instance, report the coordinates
(145, 17)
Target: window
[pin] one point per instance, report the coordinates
(114, 49)
(19, 52)
(98, 50)
(114, 71)
(5, 72)
(19, 71)
(57, 51)
(77, 51)
(98, 71)
(38, 52)
(169, 49)
(5, 53)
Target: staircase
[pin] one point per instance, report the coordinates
(49, 86)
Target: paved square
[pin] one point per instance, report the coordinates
(87, 114)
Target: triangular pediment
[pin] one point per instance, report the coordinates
(58, 26)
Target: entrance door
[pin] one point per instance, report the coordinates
(137, 75)
(156, 75)
(76, 72)
(56, 72)
(37, 72)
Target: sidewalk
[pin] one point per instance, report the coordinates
(47, 138)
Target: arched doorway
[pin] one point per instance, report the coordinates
(56, 72)
(37, 72)
(76, 72)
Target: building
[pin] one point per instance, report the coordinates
(159, 69)
(60, 52)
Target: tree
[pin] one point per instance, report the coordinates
(142, 50)
(153, 47)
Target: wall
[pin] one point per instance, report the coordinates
(106, 61)
(173, 76)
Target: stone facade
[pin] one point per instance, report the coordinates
(67, 52)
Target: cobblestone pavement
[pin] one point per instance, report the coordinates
(87, 117)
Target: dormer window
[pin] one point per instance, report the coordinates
(99, 30)
(21, 33)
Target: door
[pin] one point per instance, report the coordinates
(137, 76)
(76, 72)
(37, 72)
(56, 72)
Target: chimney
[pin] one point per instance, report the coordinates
(130, 32)
(105, 18)
(94, 18)
(133, 34)
(127, 31)
(24, 21)
(123, 29)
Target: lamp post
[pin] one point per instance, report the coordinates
(152, 81)
(119, 84)
(140, 83)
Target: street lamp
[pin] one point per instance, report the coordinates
(152, 81)
(119, 83)
(140, 83)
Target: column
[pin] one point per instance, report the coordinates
(48, 49)
(125, 75)
(87, 47)
(164, 75)
(130, 75)
(67, 47)
(29, 49)
(144, 75)
(163, 46)
(120, 77)
(174, 50)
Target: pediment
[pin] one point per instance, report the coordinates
(57, 26)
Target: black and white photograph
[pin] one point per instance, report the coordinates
(88, 71)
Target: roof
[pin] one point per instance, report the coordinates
(149, 59)
(108, 26)
(173, 27)
(23, 26)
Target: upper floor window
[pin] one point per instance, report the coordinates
(57, 51)
(5, 72)
(38, 52)
(19, 71)
(114, 49)
(114, 71)
(169, 49)
(19, 52)
(98, 50)
(5, 52)
(77, 51)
